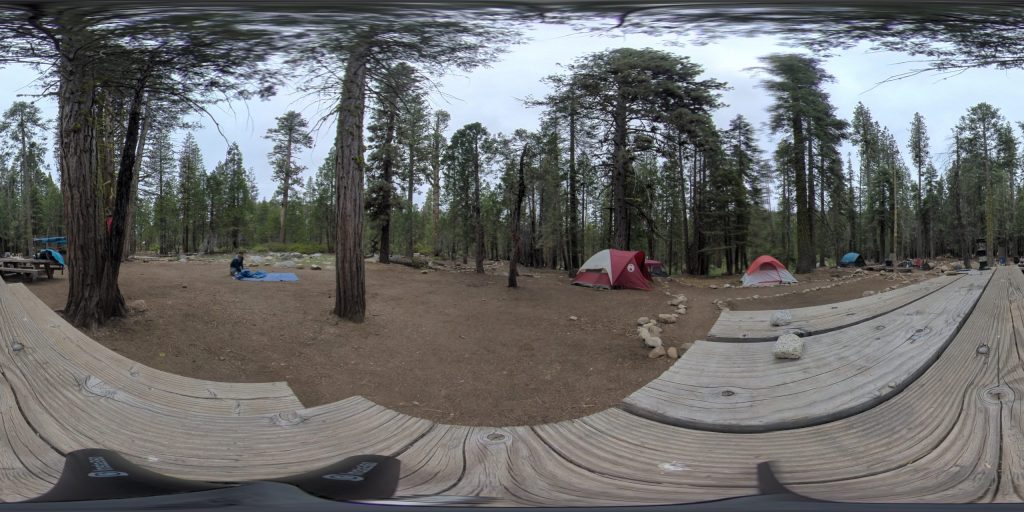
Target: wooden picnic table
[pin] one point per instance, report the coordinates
(26, 266)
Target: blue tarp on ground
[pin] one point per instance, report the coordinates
(852, 259)
(272, 276)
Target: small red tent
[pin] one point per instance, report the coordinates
(612, 268)
(767, 271)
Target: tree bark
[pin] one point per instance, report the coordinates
(387, 165)
(620, 212)
(140, 151)
(410, 211)
(350, 284)
(77, 159)
(574, 205)
(26, 184)
(476, 209)
(804, 247)
(517, 214)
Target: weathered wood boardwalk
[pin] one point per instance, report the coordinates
(756, 325)
(743, 388)
(953, 434)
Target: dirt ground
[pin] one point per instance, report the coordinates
(454, 347)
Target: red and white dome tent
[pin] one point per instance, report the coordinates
(612, 268)
(767, 271)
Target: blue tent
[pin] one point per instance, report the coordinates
(852, 259)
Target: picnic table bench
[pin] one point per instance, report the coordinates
(30, 268)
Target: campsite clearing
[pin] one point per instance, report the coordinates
(447, 346)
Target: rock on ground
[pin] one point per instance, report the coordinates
(868, 293)
(315, 267)
(713, 286)
(668, 318)
(781, 317)
(642, 320)
(672, 353)
(788, 346)
(284, 264)
(681, 311)
(137, 306)
(300, 266)
(573, 317)
(652, 341)
(424, 271)
(656, 352)
(677, 300)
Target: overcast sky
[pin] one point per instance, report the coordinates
(493, 95)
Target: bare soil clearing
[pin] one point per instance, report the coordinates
(450, 346)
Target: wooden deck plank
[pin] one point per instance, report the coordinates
(71, 409)
(28, 466)
(741, 388)
(514, 466)
(1011, 470)
(175, 390)
(809, 321)
(942, 439)
(931, 442)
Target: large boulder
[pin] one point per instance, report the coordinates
(285, 264)
(788, 346)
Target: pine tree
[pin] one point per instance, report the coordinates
(21, 129)
(464, 169)
(799, 104)
(290, 136)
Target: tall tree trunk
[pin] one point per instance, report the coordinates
(350, 285)
(410, 236)
(957, 191)
(821, 197)
(517, 213)
(811, 197)
(77, 142)
(620, 210)
(387, 166)
(140, 151)
(476, 209)
(26, 185)
(682, 194)
(574, 208)
(804, 246)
